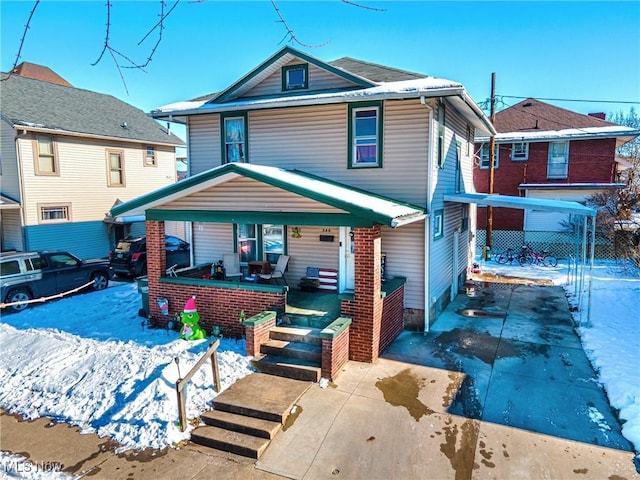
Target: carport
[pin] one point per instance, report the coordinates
(574, 208)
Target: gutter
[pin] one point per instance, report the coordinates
(427, 221)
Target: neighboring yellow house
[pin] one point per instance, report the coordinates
(68, 156)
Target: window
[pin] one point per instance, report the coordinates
(235, 138)
(458, 166)
(295, 77)
(438, 224)
(484, 156)
(442, 154)
(519, 151)
(150, 156)
(54, 213)
(365, 135)
(260, 242)
(465, 217)
(272, 242)
(247, 242)
(46, 160)
(469, 139)
(558, 163)
(115, 166)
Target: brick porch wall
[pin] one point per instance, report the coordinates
(364, 342)
(392, 317)
(335, 353)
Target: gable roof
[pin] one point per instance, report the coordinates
(390, 83)
(533, 120)
(37, 105)
(373, 71)
(273, 64)
(364, 207)
(39, 72)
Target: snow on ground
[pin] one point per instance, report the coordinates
(88, 361)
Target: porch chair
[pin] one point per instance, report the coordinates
(231, 262)
(277, 272)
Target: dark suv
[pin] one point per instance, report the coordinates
(28, 275)
(130, 255)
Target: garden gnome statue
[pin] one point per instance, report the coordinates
(190, 318)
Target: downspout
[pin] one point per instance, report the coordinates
(427, 222)
(23, 213)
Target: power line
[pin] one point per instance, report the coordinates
(573, 100)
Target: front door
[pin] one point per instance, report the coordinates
(347, 260)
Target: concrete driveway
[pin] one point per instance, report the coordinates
(499, 388)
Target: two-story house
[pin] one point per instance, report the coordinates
(547, 152)
(67, 156)
(339, 165)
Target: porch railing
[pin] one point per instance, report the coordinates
(182, 382)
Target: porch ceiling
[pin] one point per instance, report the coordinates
(204, 198)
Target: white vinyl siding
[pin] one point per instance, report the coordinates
(404, 247)
(82, 182)
(211, 241)
(314, 140)
(535, 220)
(204, 143)
(319, 79)
(245, 194)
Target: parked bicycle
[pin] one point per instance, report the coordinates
(508, 256)
(529, 256)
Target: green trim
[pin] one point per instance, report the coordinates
(335, 328)
(362, 216)
(436, 214)
(285, 70)
(260, 318)
(227, 94)
(223, 149)
(393, 284)
(279, 218)
(200, 282)
(350, 132)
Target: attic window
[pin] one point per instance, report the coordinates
(295, 77)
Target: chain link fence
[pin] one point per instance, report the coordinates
(559, 244)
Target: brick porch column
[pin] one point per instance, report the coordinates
(156, 262)
(364, 341)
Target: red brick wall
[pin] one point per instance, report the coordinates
(258, 335)
(589, 161)
(392, 317)
(216, 306)
(364, 341)
(335, 353)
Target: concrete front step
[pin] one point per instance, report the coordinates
(230, 441)
(241, 423)
(291, 349)
(293, 334)
(292, 368)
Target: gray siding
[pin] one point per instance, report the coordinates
(204, 143)
(309, 251)
(8, 162)
(211, 241)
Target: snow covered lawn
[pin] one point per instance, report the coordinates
(88, 361)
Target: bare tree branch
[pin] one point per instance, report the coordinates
(359, 5)
(159, 25)
(24, 35)
(290, 34)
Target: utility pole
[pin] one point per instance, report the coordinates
(492, 157)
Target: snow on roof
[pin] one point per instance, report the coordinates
(584, 185)
(567, 133)
(406, 88)
(524, 203)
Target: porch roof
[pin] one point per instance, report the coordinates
(524, 203)
(354, 206)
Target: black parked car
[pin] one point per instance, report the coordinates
(130, 255)
(28, 275)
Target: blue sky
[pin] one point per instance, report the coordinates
(560, 50)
